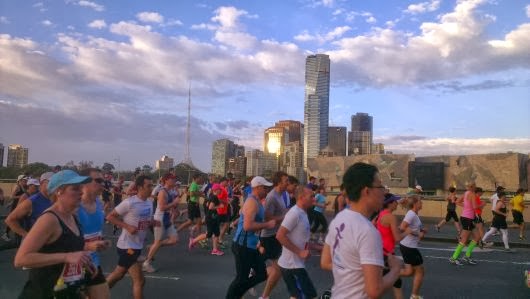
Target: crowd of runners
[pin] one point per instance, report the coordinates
(271, 227)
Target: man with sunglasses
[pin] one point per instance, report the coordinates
(134, 216)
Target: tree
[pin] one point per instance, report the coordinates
(36, 169)
(147, 169)
(70, 165)
(107, 167)
(84, 165)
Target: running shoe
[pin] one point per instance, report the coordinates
(147, 267)
(489, 244)
(508, 250)
(203, 244)
(416, 297)
(469, 260)
(191, 244)
(455, 262)
(522, 238)
(437, 228)
(217, 252)
(481, 244)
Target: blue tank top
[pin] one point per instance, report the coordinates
(250, 239)
(92, 225)
(39, 204)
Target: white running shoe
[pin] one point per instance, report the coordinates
(147, 267)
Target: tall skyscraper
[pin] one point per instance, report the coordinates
(165, 163)
(316, 105)
(17, 156)
(360, 138)
(261, 163)
(274, 140)
(222, 151)
(337, 140)
(294, 130)
(1, 155)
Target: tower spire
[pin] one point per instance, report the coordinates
(187, 155)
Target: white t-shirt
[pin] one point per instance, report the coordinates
(354, 241)
(297, 223)
(494, 198)
(411, 241)
(135, 212)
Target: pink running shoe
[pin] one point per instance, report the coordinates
(217, 252)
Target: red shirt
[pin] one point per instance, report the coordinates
(478, 210)
(223, 198)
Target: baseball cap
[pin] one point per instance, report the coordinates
(216, 187)
(22, 177)
(259, 181)
(65, 177)
(389, 198)
(33, 182)
(419, 188)
(46, 176)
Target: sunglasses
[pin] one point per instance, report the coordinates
(99, 180)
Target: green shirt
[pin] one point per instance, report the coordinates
(194, 187)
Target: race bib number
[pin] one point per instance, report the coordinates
(93, 237)
(72, 273)
(144, 224)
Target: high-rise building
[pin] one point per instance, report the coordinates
(293, 160)
(316, 105)
(238, 166)
(222, 151)
(378, 148)
(17, 156)
(294, 130)
(261, 163)
(165, 163)
(337, 140)
(1, 155)
(360, 138)
(274, 140)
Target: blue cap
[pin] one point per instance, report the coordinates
(66, 177)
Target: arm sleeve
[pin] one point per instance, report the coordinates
(290, 221)
(408, 218)
(122, 208)
(371, 248)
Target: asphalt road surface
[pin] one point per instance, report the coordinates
(197, 274)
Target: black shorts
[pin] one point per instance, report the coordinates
(499, 223)
(194, 211)
(411, 256)
(517, 217)
(224, 218)
(478, 219)
(451, 215)
(273, 248)
(298, 283)
(467, 224)
(127, 257)
(212, 227)
(98, 279)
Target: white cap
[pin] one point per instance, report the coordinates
(419, 188)
(259, 181)
(22, 177)
(33, 182)
(46, 176)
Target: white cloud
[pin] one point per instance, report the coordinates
(368, 16)
(4, 20)
(304, 37)
(423, 7)
(528, 10)
(173, 22)
(98, 24)
(47, 23)
(454, 47)
(150, 17)
(203, 26)
(228, 16)
(90, 4)
(38, 4)
(371, 20)
(322, 38)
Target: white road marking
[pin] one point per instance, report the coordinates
(453, 249)
(481, 260)
(154, 276)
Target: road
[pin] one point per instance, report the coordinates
(196, 274)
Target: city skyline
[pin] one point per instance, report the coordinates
(91, 80)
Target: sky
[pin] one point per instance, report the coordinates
(108, 81)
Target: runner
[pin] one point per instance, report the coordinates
(290, 190)
(466, 219)
(136, 213)
(478, 215)
(276, 205)
(117, 195)
(54, 247)
(212, 222)
(318, 214)
(452, 200)
(19, 190)
(32, 189)
(390, 234)
(518, 206)
(294, 235)
(222, 210)
(353, 248)
(409, 245)
(26, 213)
(499, 222)
(165, 233)
(91, 217)
(244, 245)
(340, 201)
(194, 210)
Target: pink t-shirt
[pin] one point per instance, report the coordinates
(468, 211)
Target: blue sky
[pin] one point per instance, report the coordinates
(97, 80)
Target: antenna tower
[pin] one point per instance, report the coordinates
(187, 155)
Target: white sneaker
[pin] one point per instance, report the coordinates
(147, 267)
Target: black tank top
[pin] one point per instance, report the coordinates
(42, 280)
(499, 217)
